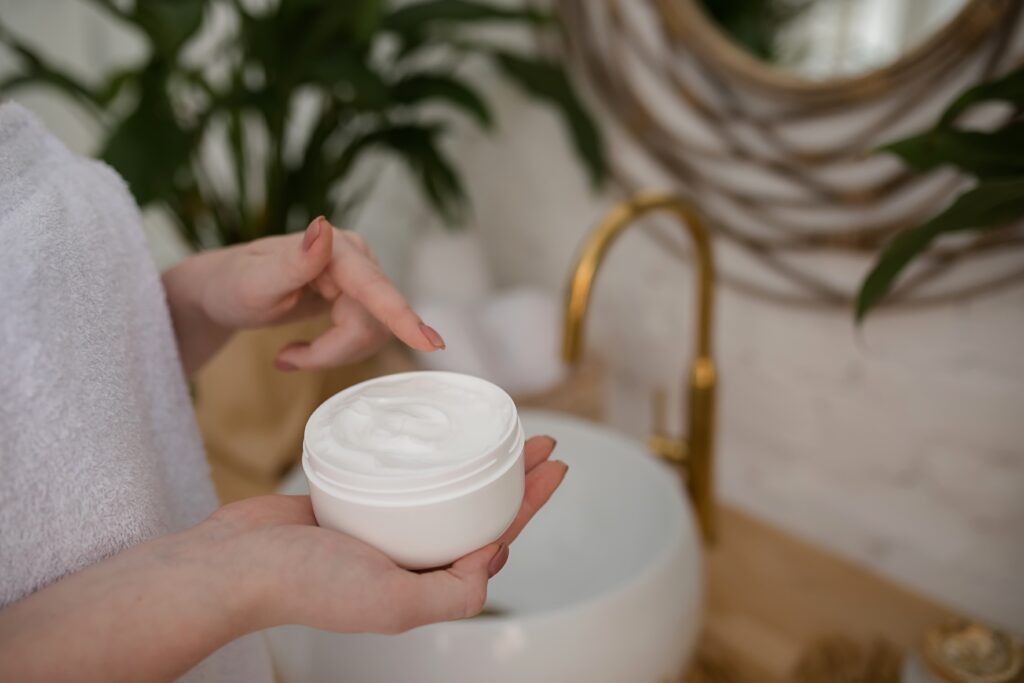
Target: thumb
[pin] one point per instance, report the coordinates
(305, 256)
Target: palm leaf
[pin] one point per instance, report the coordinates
(991, 204)
(984, 155)
(419, 16)
(547, 82)
(1009, 89)
(422, 87)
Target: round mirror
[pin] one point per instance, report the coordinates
(823, 40)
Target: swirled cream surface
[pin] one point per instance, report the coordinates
(410, 424)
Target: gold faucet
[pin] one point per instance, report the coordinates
(693, 456)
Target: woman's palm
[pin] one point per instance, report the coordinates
(333, 581)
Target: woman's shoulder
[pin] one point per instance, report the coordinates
(55, 204)
(73, 250)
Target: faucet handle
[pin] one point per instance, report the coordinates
(663, 445)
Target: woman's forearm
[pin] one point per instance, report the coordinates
(149, 613)
(198, 336)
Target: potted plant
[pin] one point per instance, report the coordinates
(293, 96)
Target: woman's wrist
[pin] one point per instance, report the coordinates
(234, 585)
(248, 577)
(187, 286)
(150, 612)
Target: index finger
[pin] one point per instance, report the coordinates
(361, 278)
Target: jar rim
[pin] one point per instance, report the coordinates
(459, 475)
(437, 491)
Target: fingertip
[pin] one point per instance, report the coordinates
(326, 232)
(542, 443)
(284, 366)
(498, 561)
(287, 359)
(312, 233)
(416, 343)
(411, 333)
(435, 340)
(479, 559)
(537, 450)
(317, 242)
(561, 469)
(286, 303)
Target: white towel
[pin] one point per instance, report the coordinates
(510, 338)
(99, 448)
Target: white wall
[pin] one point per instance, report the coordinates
(899, 447)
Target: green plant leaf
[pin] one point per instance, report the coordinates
(337, 69)
(38, 71)
(367, 16)
(416, 17)
(311, 180)
(992, 204)
(422, 87)
(985, 155)
(148, 146)
(239, 164)
(1009, 89)
(145, 148)
(547, 81)
(114, 84)
(169, 23)
(417, 145)
(354, 21)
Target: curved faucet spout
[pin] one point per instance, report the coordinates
(694, 454)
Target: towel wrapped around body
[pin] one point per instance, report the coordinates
(98, 444)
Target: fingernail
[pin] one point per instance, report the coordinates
(498, 561)
(432, 336)
(312, 232)
(284, 366)
(553, 440)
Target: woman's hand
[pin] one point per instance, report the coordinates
(289, 277)
(153, 611)
(332, 581)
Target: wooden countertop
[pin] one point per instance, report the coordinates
(772, 598)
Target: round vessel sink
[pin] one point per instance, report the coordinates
(603, 586)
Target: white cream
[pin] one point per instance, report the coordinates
(410, 424)
(425, 466)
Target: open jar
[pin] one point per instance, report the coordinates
(424, 466)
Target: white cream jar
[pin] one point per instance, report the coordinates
(424, 466)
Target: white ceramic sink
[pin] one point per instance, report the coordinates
(604, 586)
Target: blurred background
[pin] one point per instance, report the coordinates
(871, 388)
